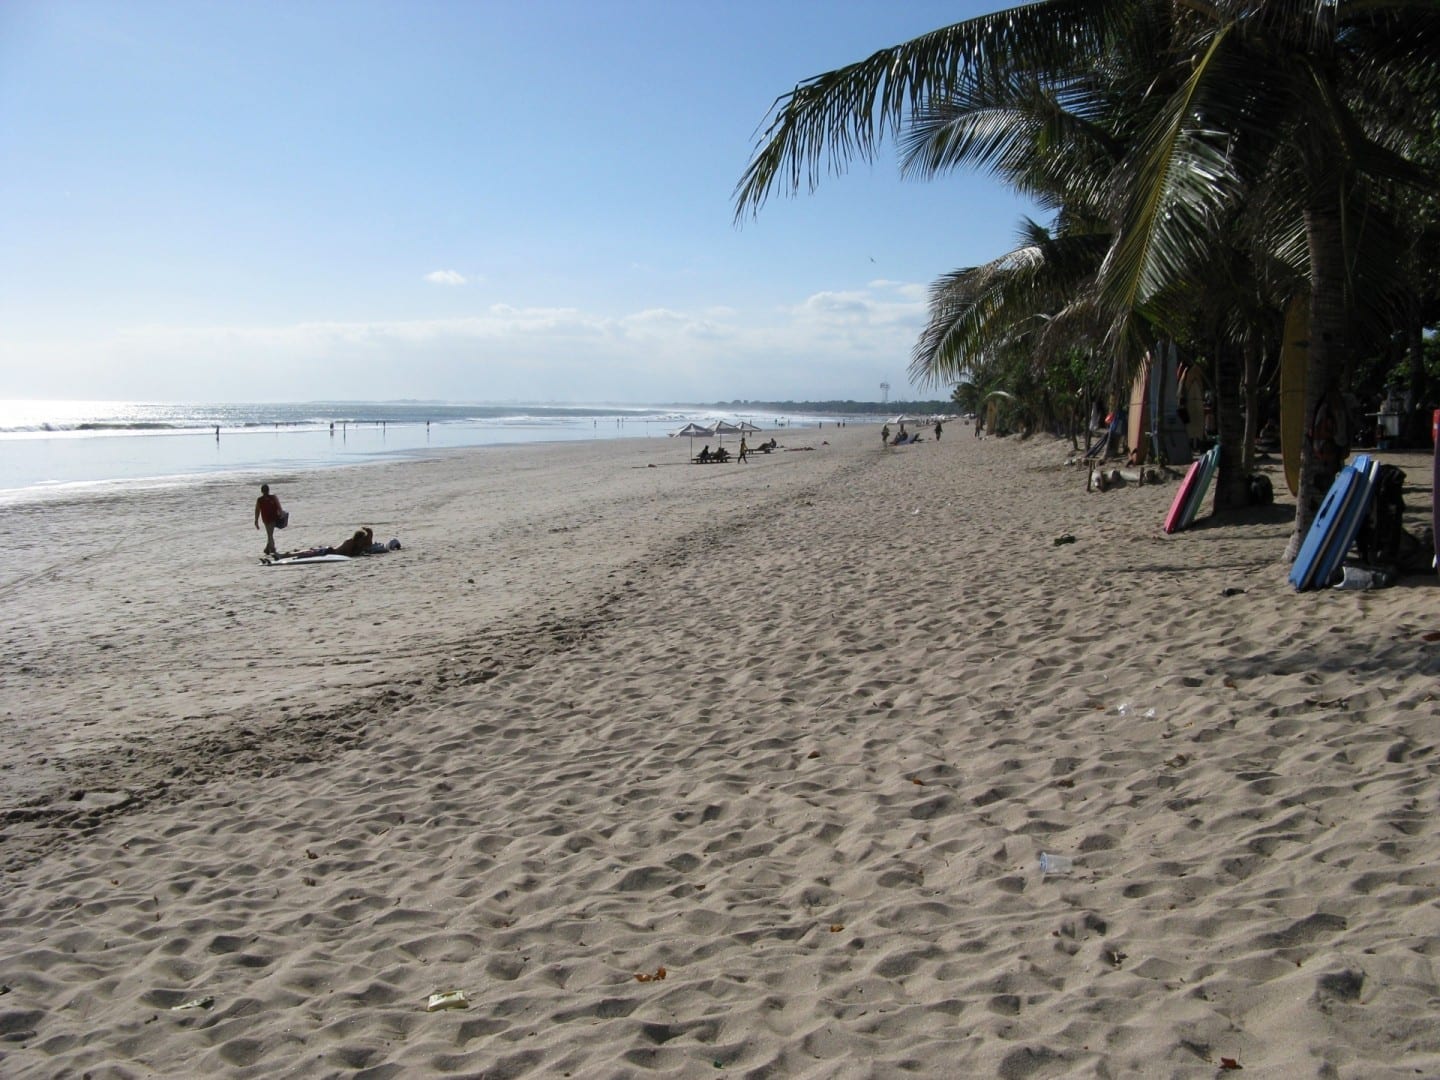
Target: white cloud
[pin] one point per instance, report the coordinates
(823, 304)
(909, 290)
(445, 277)
(863, 309)
(829, 344)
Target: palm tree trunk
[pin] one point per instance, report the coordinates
(1230, 486)
(1252, 405)
(1325, 362)
(1412, 424)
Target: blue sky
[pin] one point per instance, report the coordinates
(526, 200)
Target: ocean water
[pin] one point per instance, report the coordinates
(64, 448)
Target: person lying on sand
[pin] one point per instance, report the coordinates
(359, 544)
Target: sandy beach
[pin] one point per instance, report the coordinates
(737, 770)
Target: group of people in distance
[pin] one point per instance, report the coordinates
(903, 436)
(707, 455)
(269, 513)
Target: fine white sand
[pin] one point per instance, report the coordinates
(710, 771)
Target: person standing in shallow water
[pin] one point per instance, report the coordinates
(267, 512)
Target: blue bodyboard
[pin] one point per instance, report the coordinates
(1346, 528)
(1317, 561)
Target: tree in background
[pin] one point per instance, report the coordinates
(1235, 134)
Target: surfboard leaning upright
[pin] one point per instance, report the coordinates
(1138, 432)
(1322, 529)
(1176, 515)
(1209, 462)
(1435, 488)
(1192, 492)
(1336, 522)
(1332, 557)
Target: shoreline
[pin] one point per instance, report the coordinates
(155, 444)
(322, 456)
(792, 733)
(120, 487)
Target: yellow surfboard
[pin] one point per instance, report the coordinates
(1139, 416)
(1294, 359)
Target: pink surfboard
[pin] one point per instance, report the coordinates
(1435, 487)
(1182, 497)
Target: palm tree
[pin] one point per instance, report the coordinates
(1245, 96)
(1059, 141)
(1269, 111)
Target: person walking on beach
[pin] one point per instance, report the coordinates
(938, 429)
(744, 449)
(267, 511)
(885, 435)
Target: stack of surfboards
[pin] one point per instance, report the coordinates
(1334, 528)
(1192, 491)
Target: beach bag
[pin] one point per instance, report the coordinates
(283, 519)
(1261, 491)
(1383, 529)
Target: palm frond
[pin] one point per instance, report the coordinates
(981, 310)
(831, 119)
(1035, 137)
(1179, 175)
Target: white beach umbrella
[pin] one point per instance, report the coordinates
(723, 428)
(692, 431)
(746, 427)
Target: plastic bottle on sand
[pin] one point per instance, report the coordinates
(1055, 864)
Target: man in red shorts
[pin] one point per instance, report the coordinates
(267, 510)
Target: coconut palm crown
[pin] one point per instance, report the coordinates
(1183, 136)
